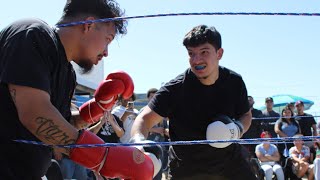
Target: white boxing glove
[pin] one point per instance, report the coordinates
(223, 128)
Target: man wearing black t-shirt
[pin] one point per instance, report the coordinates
(306, 121)
(200, 104)
(255, 129)
(271, 117)
(37, 82)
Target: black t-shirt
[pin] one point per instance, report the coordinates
(306, 123)
(268, 123)
(191, 107)
(31, 54)
(107, 132)
(255, 128)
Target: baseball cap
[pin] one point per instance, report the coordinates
(298, 102)
(265, 133)
(269, 99)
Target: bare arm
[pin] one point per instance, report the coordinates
(95, 128)
(314, 127)
(159, 130)
(274, 157)
(246, 119)
(145, 121)
(77, 121)
(41, 118)
(278, 131)
(117, 129)
(261, 156)
(128, 112)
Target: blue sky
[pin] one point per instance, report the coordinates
(274, 54)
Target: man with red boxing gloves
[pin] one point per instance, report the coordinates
(207, 101)
(37, 82)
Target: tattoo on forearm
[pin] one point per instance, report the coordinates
(52, 132)
(13, 93)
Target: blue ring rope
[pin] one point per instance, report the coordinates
(240, 141)
(188, 14)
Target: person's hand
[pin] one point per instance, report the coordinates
(159, 130)
(301, 161)
(57, 155)
(108, 117)
(97, 176)
(130, 113)
(166, 132)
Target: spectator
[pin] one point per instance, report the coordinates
(268, 156)
(126, 113)
(306, 122)
(287, 126)
(300, 155)
(255, 112)
(255, 129)
(316, 162)
(271, 117)
(292, 107)
(109, 128)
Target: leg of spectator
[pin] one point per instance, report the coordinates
(302, 169)
(165, 161)
(316, 169)
(80, 172)
(277, 169)
(67, 168)
(267, 171)
(310, 172)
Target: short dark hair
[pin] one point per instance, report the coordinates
(152, 90)
(299, 102)
(97, 8)
(269, 99)
(202, 34)
(134, 97)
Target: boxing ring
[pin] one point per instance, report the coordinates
(240, 141)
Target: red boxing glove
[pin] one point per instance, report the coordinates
(127, 81)
(121, 162)
(106, 95)
(90, 111)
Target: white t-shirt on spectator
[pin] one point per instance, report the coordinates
(127, 124)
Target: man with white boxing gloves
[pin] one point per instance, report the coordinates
(207, 101)
(223, 128)
(37, 82)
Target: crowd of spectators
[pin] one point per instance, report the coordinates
(292, 121)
